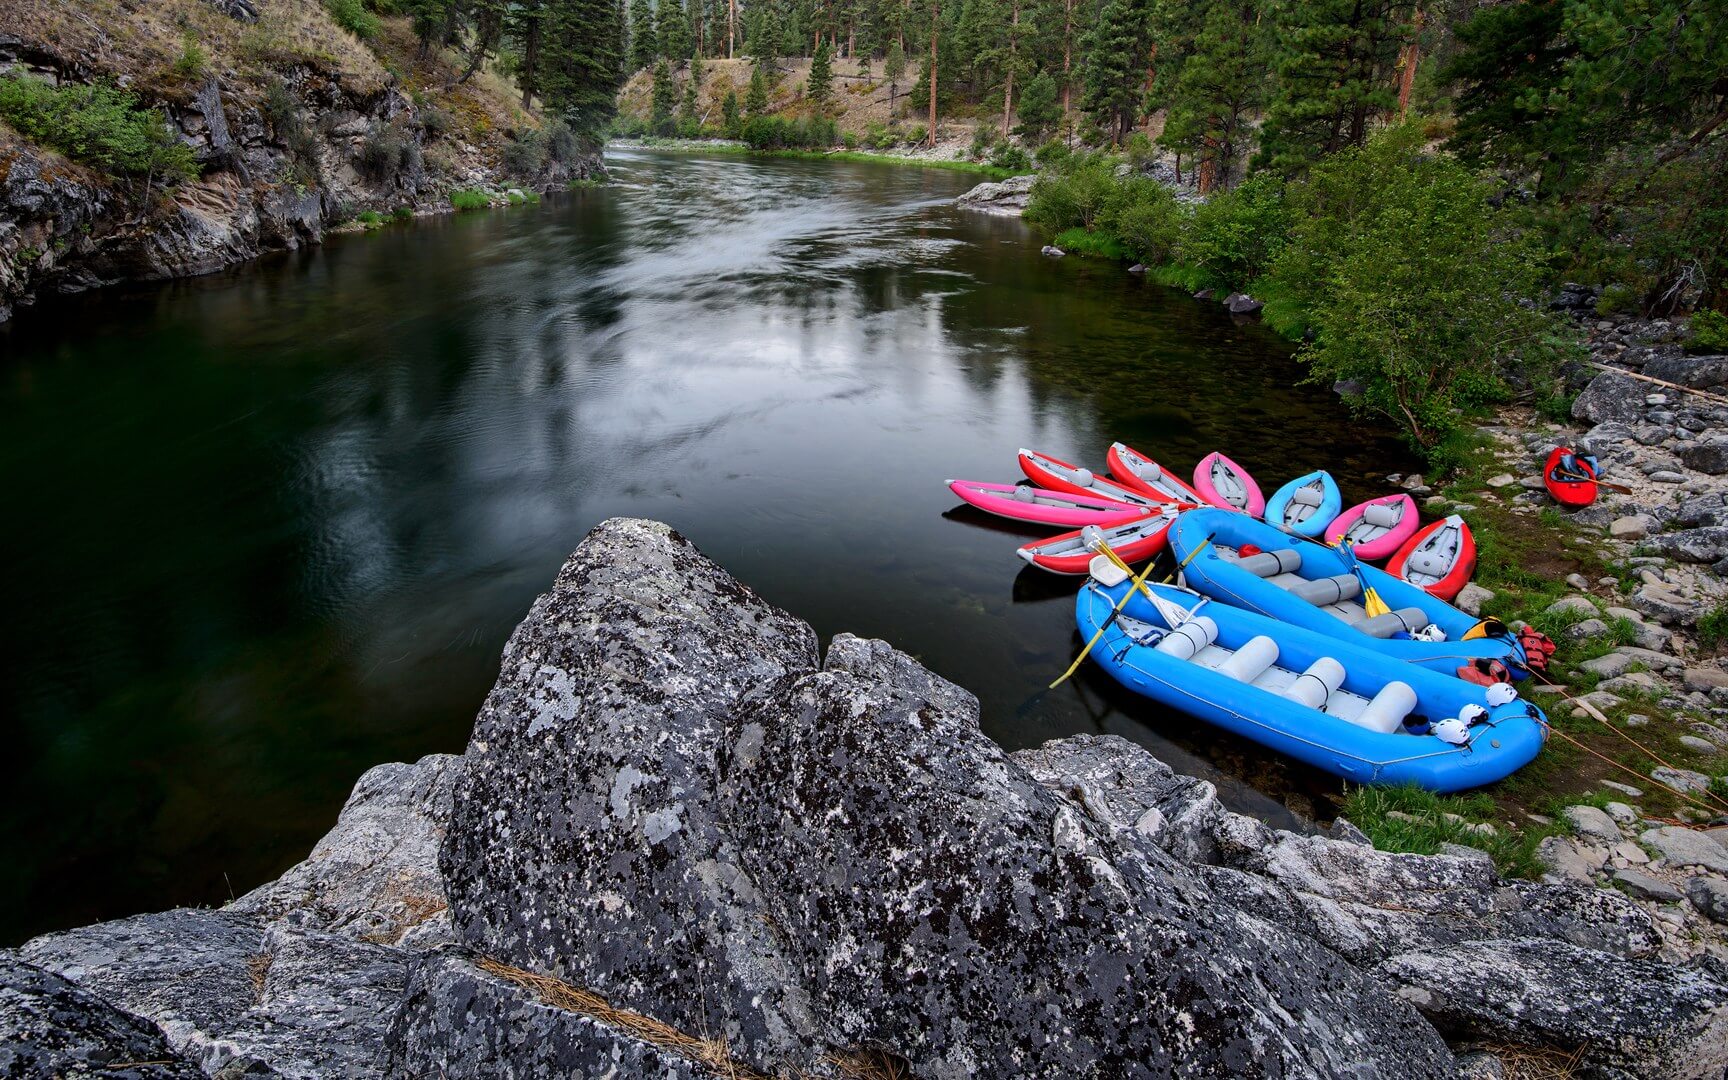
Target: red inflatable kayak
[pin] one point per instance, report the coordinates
(1439, 558)
(1569, 478)
(1071, 553)
(1132, 469)
(1058, 475)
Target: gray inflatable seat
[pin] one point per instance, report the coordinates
(1307, 495)
(1272, 563)
(1427, 561)
(1409, 620)
(1328, 590)
(1024, 494)
(1384, 515)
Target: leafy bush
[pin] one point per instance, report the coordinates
(403, 213)
(435, 121)
(386, 155)
(1709, 332)
(983, 141)
(1053, 152)
(1411, 278)
(352, 16)
(370, 219)
(916, 135)
(1074, 195)
(774, 133)
(1617, 299)
(1010, 157)
(470, 199)
(1713, 627)
(1235, 235)
(1139, 148)
(96, 124)
(525, 155)
(192, 61)
(1146, 219)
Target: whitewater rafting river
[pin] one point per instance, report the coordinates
(270, 528)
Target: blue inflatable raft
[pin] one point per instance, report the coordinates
(1319, 588)
(1307, 504)
(1353, 712)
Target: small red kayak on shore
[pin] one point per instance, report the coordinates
(1570, 477)
(1439, 558)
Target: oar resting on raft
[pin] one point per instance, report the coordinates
(1138, 585)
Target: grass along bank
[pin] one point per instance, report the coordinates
(1574, 583)
(721, 145)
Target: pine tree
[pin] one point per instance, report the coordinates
(1040, 108)
(1335, 77)
(582, 67)
(689, 122)
(819, 85)
(673, 30)
(1218, 92)
(729, 115)
(756, 99)
(894, 68)
(644, 43)
(665, 94)
(698, 70)
(525, 29)
(1117, 52)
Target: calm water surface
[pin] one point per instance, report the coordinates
(270, 528)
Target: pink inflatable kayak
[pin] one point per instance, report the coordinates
(1376, 528)
(1224, 483)
(1021, 502)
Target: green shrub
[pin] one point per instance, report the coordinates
(470, 199)
(1235, 235)
(1074, 195)
(1411, 277)
(916, 135)
(370, 219)
(1146, 219)
(96, 124)
(192, 61)
(1052, 153)
(1617, 299)
(983, 141)
(1139, 149)
(1713, 627)
(352, 16)
(403, 213)
(386, 155)
(1709, 332)
(775, 133)
(435, 121)
(525, 155)
(849, 140)
(1010, 157)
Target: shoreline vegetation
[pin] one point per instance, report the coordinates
(742, 149)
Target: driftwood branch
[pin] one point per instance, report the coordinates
(1707, 396)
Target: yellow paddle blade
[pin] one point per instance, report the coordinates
(1372, 603)
(1480, 630)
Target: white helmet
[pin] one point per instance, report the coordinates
(1472, 714)
(1501, 694)
(1453, 730)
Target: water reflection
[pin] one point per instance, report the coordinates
(273, 527)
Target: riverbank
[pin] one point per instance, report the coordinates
(621, 872)
(281, 126)
(927, 160)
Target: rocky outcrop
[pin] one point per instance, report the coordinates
(679, 845)
(1008, 197)
(279, 166)
(49, 1027)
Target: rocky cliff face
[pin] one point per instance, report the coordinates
(297, 128)
(679, 844)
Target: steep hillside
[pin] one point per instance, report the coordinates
(860, 107)
(294, 125)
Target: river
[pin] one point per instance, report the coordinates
(272, 527)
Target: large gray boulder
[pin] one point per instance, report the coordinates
(1626, 1018)
(51, 1028)
(1007, 197)
(1610, 396)
(375, 875)
(667, 805)
(231, 994)
(462, 1022)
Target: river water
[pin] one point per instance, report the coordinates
(272, 527)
